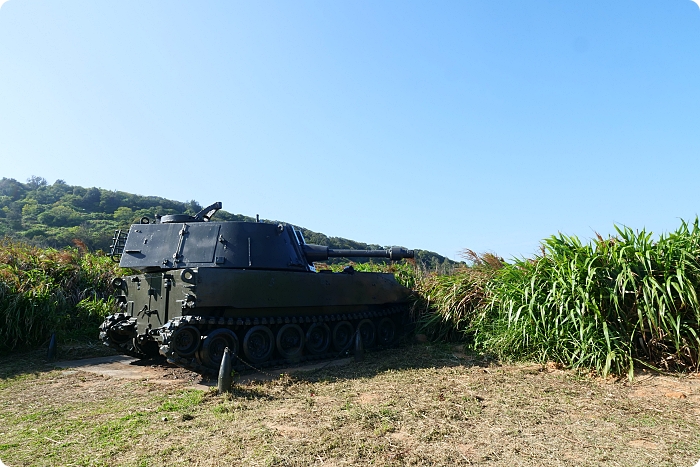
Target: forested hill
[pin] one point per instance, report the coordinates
(61, 215)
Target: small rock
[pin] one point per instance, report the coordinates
(164, 419)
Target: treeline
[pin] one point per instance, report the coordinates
(59, 215)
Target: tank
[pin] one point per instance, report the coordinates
(249, 286)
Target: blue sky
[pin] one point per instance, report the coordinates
(434, 125)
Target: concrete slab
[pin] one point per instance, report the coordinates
(121, 366)
(124, 367)
(96, 363)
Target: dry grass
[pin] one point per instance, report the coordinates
(418, 405)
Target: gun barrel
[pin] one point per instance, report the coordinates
(322, 253)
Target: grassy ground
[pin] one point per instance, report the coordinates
(417, 405)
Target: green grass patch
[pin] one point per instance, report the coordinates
(182, 401)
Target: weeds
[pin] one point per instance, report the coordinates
(406, 272)
(47, 290)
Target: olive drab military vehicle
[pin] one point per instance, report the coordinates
(248, 286)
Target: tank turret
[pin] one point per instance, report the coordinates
(248, 286)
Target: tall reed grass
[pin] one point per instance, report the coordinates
(47, 290)
(446, 305)
(603, 305)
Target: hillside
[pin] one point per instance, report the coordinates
(61, 215)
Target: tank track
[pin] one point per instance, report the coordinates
(123, 323)
(206, 324)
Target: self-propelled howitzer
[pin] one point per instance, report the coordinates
(248, 286)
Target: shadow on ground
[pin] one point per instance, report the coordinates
(98, 359)
(405, 357)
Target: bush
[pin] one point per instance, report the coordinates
(60, 216)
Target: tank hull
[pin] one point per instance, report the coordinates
(265, 317)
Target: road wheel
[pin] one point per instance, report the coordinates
(290, 341)
(342, 335)
(214, 345)
(318, 338)
(386, 331)
(368, 333)
(185, 341)
(258, 344)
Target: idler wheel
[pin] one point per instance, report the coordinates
(258, 344)
(386, 331)
(118, 329)
(118, 337)
(185, 341)
(342, 335)
(318, 338)
(290, 341)
(368, 333)
(214, 345)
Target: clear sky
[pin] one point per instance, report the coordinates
(444, 125)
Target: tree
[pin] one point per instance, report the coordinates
(30, 212)
(12, 188)
(91, 199)
(109, 201)
(124, 215)
(60, 216)
(35, 182)
(193, 207)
